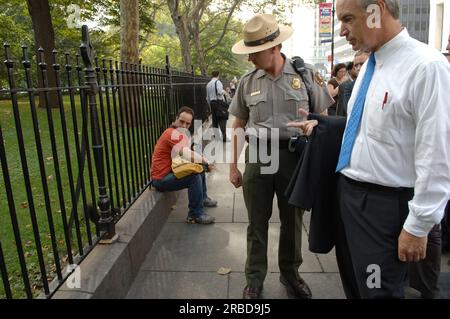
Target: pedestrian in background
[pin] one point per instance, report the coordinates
(346, 88)
(215, 95)
(339, 76)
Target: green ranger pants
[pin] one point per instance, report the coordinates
(259, 190)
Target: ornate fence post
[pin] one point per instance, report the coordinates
(106, 222)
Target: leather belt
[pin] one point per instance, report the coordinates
(377, 187)
(282, 144)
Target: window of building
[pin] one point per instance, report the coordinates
(424, 26)
(405, 9)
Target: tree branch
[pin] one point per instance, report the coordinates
(225, 27)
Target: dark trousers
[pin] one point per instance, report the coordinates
(259, 190)
(445, 227)
(371, 219)
(424, 275)
(218, 122)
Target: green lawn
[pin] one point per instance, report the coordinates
(22, 205)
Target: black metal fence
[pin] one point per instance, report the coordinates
(69, 173)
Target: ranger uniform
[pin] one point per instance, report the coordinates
(266, 102)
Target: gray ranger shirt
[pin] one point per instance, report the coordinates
(267, 102)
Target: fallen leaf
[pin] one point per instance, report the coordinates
(224, 271)
(24, 204)
(50, 177)
(49, 158)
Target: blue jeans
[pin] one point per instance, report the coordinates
(195, 184)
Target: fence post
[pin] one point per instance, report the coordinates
(106, 222)
(170, 115)
(193, 91)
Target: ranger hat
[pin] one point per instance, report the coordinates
(261, 32)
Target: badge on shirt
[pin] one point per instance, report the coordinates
(255, 93)
(296, 84)
(318, 78)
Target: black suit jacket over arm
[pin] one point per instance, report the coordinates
(314, 181)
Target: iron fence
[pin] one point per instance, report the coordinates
(71, 170)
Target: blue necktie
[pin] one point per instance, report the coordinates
(355, 118)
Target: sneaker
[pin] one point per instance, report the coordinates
(208, 202)
(202, 219)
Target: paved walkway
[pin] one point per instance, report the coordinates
(185, 258)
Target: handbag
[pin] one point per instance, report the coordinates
(221, 107)
(182, 168)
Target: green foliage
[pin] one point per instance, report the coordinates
(220, 57)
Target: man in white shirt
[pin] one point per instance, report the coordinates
(395, 155)
(215, 98)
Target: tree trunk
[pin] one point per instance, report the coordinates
(44, 37)
(198, 46)
(129, 52)
(181, 28)
(194, 31)
(129, 33)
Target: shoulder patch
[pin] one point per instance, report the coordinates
(318, 78)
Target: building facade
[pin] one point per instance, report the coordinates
(439, 25)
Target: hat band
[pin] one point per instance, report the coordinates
(270, 37)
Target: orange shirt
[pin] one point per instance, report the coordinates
(162, 154)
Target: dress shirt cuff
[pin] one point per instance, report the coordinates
(416, 227)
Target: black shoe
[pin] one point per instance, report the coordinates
(297, 288)
(252, 293)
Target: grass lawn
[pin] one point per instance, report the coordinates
(22, 204)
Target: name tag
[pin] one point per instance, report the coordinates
(255, 93)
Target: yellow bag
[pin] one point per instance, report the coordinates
(182, 167)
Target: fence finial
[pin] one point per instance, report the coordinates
(86, 49)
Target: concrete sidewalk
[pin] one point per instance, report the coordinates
(185, 258)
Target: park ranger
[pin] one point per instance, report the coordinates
(268, 98)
